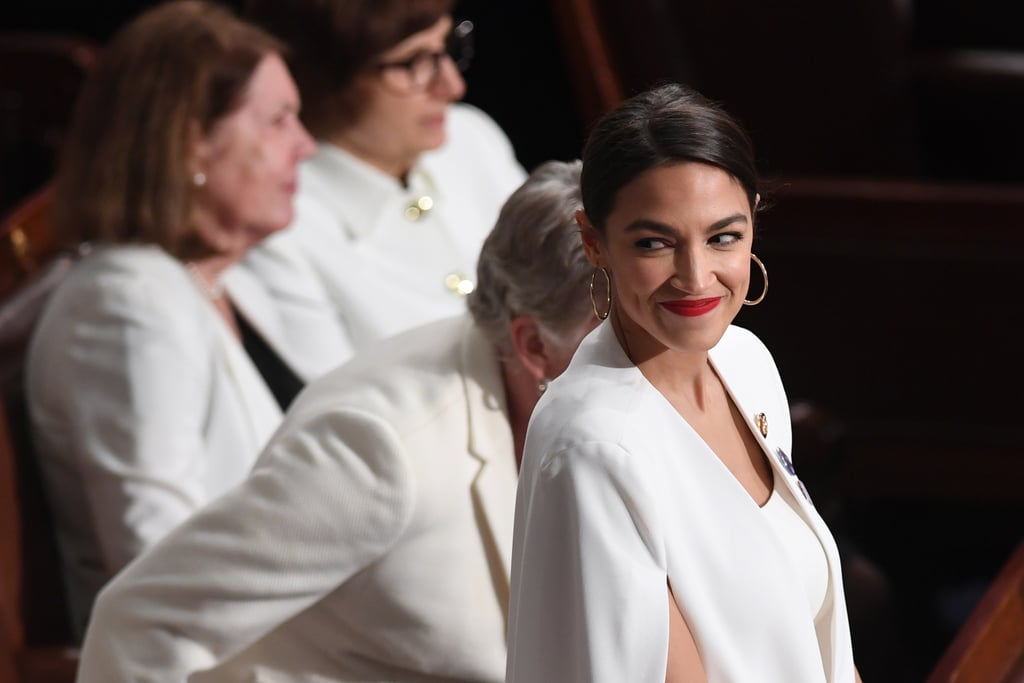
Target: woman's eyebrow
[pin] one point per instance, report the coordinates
(666, 229)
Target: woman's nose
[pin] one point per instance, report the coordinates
(305, 145)
(693, 272)
(449, 83)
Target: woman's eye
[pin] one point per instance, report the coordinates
(650, 243)
(726, 238)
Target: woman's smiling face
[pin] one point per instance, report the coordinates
(677, 244)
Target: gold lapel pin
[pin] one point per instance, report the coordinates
(761, 420)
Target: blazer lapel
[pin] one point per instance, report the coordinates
(767, 420)
(743, 384)
(254, 398)
(254, 302)
(490, 442)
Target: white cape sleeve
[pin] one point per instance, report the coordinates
(588, 593)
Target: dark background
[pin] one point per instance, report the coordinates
(963, 132)
(517, 75)
(966, 132)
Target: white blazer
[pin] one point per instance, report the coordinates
(371, 543)
(353, 256)
(143, 404)
(619, 494)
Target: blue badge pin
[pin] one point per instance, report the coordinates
(803, 490)
(784, 460)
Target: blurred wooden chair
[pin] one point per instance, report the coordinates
(989, 647)
(36, 644)
(848, 89)
(33, 258)
(595, 78)
(28, 240)
(833, 99)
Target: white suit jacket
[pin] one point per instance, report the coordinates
(619, 494)
(143, 404)
(371, 543)
(352, 255)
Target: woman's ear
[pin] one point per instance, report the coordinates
(529, 346)
(593, 244)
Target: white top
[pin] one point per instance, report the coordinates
(144, 407)
(806, 553)
(618, 496)
(358, 251)
(372, 542)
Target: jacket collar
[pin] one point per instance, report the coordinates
(746, 380)
(490, 442)
(358, 195)
(746, 384)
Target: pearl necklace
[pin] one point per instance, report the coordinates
(213, 290)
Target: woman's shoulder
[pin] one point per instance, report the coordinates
(126, 281)
(125, 264)
(741, 352)
(593, 404)
(118, 301)
(741, 340)
(467, 120)
(476, 150)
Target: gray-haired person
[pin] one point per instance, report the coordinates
(372, 541)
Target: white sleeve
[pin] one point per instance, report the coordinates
(315, 511)
(127, 378)
(588, 595)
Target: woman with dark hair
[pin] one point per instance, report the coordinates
(406, 183)
(661, 531)
(151, 384)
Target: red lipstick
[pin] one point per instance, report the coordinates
(691, 308)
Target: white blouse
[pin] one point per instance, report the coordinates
(379, 256)
(804, 548)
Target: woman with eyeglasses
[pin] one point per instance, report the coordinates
(394, 206)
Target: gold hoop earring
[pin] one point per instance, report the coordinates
(607, 295)
(764, 274)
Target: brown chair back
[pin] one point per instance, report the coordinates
(823, 87)
(28, 240)
(36, 643)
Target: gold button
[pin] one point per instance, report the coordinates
(418, 208)
(459, 284)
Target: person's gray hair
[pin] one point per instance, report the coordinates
(533, 263)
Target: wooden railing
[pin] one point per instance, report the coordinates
(989, 648)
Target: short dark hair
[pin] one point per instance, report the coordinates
(669, 124)
(331, 41)
(172, 72)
